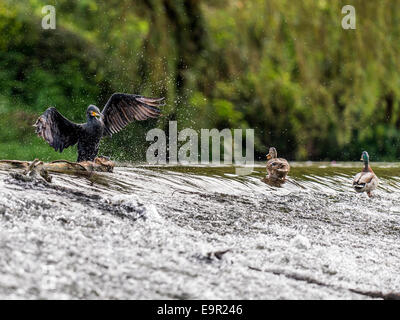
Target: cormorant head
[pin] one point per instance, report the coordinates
(272, 153)
(93, 112)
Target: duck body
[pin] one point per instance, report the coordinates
(366, 180)
(278, 168)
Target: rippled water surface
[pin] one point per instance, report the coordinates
(147, 232)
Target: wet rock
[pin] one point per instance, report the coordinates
(217, 254)
(212, 256)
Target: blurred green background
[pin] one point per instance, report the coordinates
(285, 68)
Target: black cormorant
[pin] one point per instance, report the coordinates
(119, 111)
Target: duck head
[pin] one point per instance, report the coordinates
(365, 157)
(272, 153)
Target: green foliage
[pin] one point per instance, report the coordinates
(285, 68)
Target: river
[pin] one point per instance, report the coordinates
(181, 232)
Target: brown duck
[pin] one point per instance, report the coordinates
(277, 168)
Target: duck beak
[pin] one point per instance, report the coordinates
(268, 156)
(361, 159)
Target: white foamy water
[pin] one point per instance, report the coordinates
(161, 232)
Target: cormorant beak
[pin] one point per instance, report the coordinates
(361, 159)
(95, 114)
(268, 156)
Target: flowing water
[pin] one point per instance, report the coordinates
(147, 232)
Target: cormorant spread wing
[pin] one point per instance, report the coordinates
(121, 109)
(58, 131)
